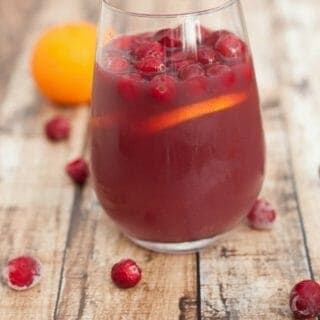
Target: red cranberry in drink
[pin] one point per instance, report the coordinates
(78, 171)
(170, 38)
(223, 73)
(122, 43)
(305, 299)
(117, 64)
(149, 49)
(126, 274)
(150, 65)
(129, 87)
(22, 273)
(58, 128)
(196, 86)
(163, 87)
(231, 47)
(212, 38)
(262, 215)
(191, 71)
(207, 55)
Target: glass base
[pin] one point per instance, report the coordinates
(175, 247)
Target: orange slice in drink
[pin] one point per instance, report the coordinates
(186, 113)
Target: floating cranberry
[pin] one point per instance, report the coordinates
(122, 43)
(151, 64)
(262, 215)
(128, 86)
(163, 87)
(231, 47)
(78, 171)
(22, 273)
(170, 38)
(213, 37)
(305, 299)
(207, 55)
(117, 64)
(58, 128)
(223, 72)
(191, 71)
(126, 274)
(196, 86)
(149, 49)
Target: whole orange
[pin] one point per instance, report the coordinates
(62, 62)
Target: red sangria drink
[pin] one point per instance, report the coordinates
(177, 141)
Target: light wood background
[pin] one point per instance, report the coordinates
(247, 275)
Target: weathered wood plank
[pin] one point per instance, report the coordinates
(249, 274)
(36, 196)
(167, 290)
(300, 98)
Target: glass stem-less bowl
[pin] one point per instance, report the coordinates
(177, 140)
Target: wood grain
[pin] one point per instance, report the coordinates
(36, 195)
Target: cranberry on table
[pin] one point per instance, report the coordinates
(151, 65)
(58, 128)
(126, 274)
(163, 87)
(305, 299)
(149, 49)
(262, 215)
(191, 71)
(22, 273)
(128, 86)
(78, 170)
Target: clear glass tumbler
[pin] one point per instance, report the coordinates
(177, 146)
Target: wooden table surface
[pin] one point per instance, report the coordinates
(246, 275)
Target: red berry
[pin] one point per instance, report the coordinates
(231, 47)
(196, 86)
(58, 128)
(128, 86)
(163, 87)
(262, 215)
(213, 37)
(206, 55)
(150, 64)
(78, 170)
(223, 72)
(170, 38)
(149, 49)
(117, 64)
(22, 273)
(122, 43)
(204, 33)
(126, 274)
(305, 299)
(178, 56)
(191, 71)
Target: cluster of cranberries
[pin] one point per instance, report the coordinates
(58, 128)
(163, 59)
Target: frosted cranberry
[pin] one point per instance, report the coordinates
(262, 215)
(191, 71)
(149, 49)
(117, 64)
(78, 171)
(126, 274)
(212, 38)
(22, 273)
(170, 38)
(207, 55)
(223, 72)
(58, 128)
(128, 86)
(231, 47)
(151, 64)
(163, 87)
(196, 86)
(305, 299)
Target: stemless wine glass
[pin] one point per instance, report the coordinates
(177, 139)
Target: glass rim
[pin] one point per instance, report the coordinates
(225, 4)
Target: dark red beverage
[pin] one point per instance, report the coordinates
(177, 139)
